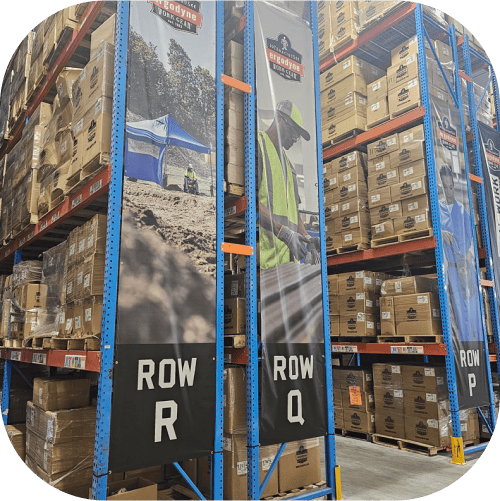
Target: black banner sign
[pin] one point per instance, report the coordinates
(163, 407)
(490, 158)
(293, 368)
(467, 325)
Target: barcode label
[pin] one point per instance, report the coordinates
(76, 201)
(75, 361)
(96, 187)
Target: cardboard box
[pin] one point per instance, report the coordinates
(353, 159)
(348, 124)
(414, 135)
(377, 90)
(235, 412)
(416, 222)
(299, 465)
(415, 205)
(427, 431)
(358, 421)
(357, 302)
(443, 51)
(409, 189)
(382, 179)
(333, 284)
(387, 376)
(349, 66)
(384, 213)
(17, 437)
(95, 233)
(377, 112)
(388, 399)
(153, 474)
(234, 286)
(354, 399)
(359, 281)
(409, 285)
(349, 105)
(334, 325)
(417, 314)
(330, 181)
(402, 72)
(383, 146)
(404, 98)
(405, 50)
(351, 206)
(92, 316)
(426, 405)
(408, 154)
(387, 318)
(378, 165)
(352, 221)
(104, 34)
(333, 304)
(136, 488)
(360, 325)
(390, 423)
(383, 230)
(55, 394)
(338, 417)
(381, 197)
(234, 316)
(356, 236)
(340, 90)
(442, 94)
(414, 170)
(354, 377)
(425, 378)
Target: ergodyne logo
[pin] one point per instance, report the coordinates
(381, 146)
(181, 15)
(419, 403)
(411, 313)
(94, 77)
(92, 131)
(492, 156)
(447, 134)
(321, 45)
(409, 222)
(301, 455)
(403, 95)
(331, 94)
(343, 162)
(405, 188)
(321, 33)
(388, 399)
(370, 11)
(381, 180)
(345, 222)
(341, 18)
(389, 423)
(421, 428)
(386, 375)
(418, 377)
(404, 154)
(331, 129)
(350, 281)
(339, 5)
(283, 60)
(404, 51)
(351, 379)
(351, 302)
(329, 77)
(355, 419)
(341, 32)
(331, 112)
(343, 192)
(351, 324)
(383, 212)
(401, 72)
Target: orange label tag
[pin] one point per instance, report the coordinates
(355, 395)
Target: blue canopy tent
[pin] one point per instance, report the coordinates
(159, 133)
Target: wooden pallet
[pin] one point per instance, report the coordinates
(83, 176)
(410, 339)
(416, 235)
(367, 437)
(418, 104)
(347, 135)
(235, 341)
(296, 492)
(411, 446)
(185, 492)
(385, 241)
(234, 189)
(72, 344)
(13, 343)
(352, 248)
(166, 494)
(378, 122)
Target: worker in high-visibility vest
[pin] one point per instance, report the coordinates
(283, 237)
(190, 175)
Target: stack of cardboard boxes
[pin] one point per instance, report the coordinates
(346, 202)
(84, 287)
(411, 403)
(20, 71)
(338, 24)
(354, 303)
(28, 300)
(397, 183)
(410, 307)
(354, 402)
(343, 97)
(234, 304)
(372, 11)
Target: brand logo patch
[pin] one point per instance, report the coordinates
(181, 15)
(447, 134)
(492, 156)
(283, 60)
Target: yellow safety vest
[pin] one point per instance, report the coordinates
(191, 175)
(280, 199)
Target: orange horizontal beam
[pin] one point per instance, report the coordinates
(236, 84)
(242, 250)
(465, 76)
(476, 179)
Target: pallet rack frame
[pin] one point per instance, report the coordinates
(468, 53)
(255, 489)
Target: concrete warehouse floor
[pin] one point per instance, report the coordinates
(372, 471)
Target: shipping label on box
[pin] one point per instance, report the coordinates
(351, 221)
(377, 112)
(335, 92)
(405, 50)
(387, 376)
(356, 236)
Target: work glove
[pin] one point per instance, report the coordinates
(314, 244)
(313, 257)
(294, 241)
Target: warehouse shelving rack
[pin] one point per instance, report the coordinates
(100, 195)
(478, 68)
(373, 46)
(250, 355)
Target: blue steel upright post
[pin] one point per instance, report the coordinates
(330, 457)
(483, 215)
(7, 368)
(251, 261)
(103, 417)
(436, 225)
(216, 465)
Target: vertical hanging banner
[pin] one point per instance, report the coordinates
(489, 142)
(163, 407)
(293, 370)
(467, 328)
